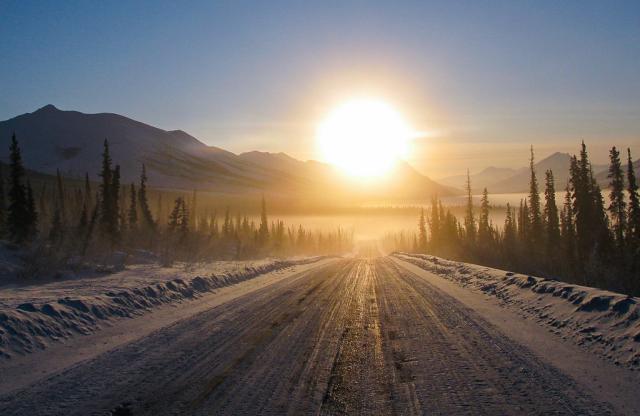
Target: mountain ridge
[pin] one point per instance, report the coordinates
(72, 142)
(518, 179)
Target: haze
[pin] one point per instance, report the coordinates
(486, 80)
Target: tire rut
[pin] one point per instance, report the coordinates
(465, 366)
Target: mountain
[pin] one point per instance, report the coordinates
(72, 142)
(480, 180)
(557, 162)
(519, 181)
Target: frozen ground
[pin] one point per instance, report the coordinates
(605, 323)
(338, 336)
(33, 314)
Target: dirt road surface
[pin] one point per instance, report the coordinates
(355, 336)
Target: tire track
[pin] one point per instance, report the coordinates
(359, 382)
(465, 366)
(177, 369)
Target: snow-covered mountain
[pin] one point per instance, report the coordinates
(72, 141)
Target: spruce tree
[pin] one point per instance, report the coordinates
(509, 239)
(617, 206)
(633, 229)
(174, 216)
(88, 195)
(524, 228)
(18, 221)
(551, 220)
(193, 208)
(93, 222)
(132, 215)
(602, 228)
(535, 214)
(469, 219)
(435, 223)
(107, 215)
(568, 233)
(422, 233)
(184, 219)
(591, 222)
(583, 205)
(634, 204)
(263, 231)
(115, 205)
(484, 230)
(145, 213)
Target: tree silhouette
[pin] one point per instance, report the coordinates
(484, 231)
(422, 232)
(634, 202)
(617, 206)
(20, 219)
(263, 231)
(535, 215)
(469, 219)
(551, 220)
(146, 218)
(132, 215)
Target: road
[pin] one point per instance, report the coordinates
(355, 336)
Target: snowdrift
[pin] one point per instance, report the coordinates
(45, 316)
(603, 322)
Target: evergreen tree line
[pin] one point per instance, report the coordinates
(585, 241)
(82, 220)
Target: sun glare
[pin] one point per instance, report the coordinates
(364, 137)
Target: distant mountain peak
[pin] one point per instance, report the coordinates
(558, 155)
(47, 108)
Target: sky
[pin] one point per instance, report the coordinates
(485, 78)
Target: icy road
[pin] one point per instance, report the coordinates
(346, 336)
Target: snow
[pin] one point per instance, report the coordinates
(33, 315)
(603, 322)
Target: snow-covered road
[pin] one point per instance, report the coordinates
(344, 336)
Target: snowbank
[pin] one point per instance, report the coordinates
(32, 315)
(604, 322)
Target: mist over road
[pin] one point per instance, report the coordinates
(354, 336)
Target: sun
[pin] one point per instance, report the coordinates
(363, 137)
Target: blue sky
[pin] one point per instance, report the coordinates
(489, 77)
